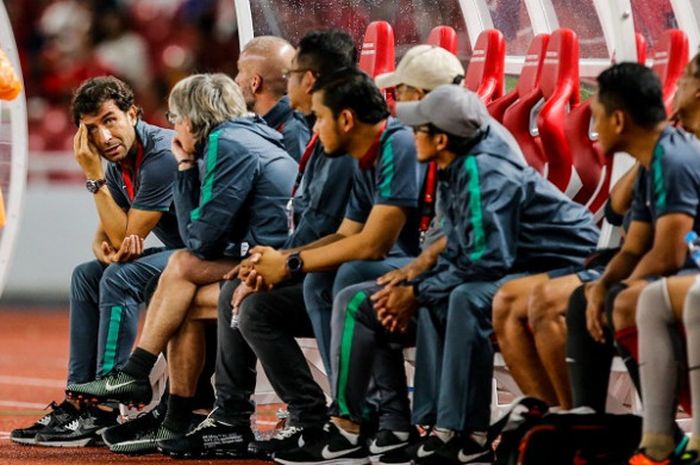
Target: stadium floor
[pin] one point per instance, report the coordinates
(33, 360)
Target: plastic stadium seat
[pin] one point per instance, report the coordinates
(670, 57)
(485, 73)
(592, 165)
(377, 53)
(537, 118)
(529, 77)
(445, 37)
(641, 48)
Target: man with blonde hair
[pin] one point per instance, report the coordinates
(262, 67)
(230, 194)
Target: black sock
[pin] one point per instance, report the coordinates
(179, 413)
(588, 361)
(140, 364)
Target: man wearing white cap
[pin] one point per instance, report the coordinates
(501, 219)
(422, 69)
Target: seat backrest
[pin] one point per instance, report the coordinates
(529, 77)
(377, 53)
(560, 90)
(670, 57)
(445, 37)
(560, 67)
(591, 165)
(641, 48)
(486, 70)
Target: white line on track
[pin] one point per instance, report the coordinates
(26, 381)
(18, 404)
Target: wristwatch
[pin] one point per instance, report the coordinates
(93, 185)
(295, 264)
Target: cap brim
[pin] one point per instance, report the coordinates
(409, 114)
(386, 80)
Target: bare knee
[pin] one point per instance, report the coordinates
(625, 308)
(502, 307)
(544, 306)
(181, 264)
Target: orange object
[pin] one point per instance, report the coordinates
(2, 211)
(10, 85)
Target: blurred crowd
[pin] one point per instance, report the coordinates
(149, 43)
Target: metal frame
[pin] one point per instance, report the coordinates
(618, 28)
(477, 18)
(18, 168)
(244, 19)
(543, 16)
(687, 13)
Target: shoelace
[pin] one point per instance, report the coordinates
(287, 432)
(208, 422)
(73, 425)
(56, 409)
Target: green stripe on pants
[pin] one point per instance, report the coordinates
(345, 349)
(115, 321)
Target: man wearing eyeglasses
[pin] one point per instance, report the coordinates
(133, 197)
(263, 70)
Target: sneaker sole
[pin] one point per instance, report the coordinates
(204, 455)
(75, 443)
(338, 461)
(138, 447)
(23, 440)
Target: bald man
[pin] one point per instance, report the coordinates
(263, 68)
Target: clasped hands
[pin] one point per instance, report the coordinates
(266, 267)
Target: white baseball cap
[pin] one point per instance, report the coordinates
(423, 67)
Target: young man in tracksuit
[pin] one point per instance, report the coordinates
(501, 220)
(232, 189)
(271, 320)
(133, 197)
(380, 229)
(630, 117)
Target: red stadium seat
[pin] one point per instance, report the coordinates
(541, 134)
(670, 57)
(445, 37)
(641, 48)
(592, 165)
(377, 53)
(485, 73)
(528, 80)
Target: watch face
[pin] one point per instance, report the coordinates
(93, 185)
(294, 263)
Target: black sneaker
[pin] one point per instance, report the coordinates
(79, 432)
(59, 414)
(133, 429)
(424, 447)
(288, 438)
(211, 438)
(115, 385)
(386, 441)
(459, 451)
(146, 442)
(333, 448)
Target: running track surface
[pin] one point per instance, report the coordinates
(33, 361)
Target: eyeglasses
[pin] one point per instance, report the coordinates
(172, 117)
(287, 73)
